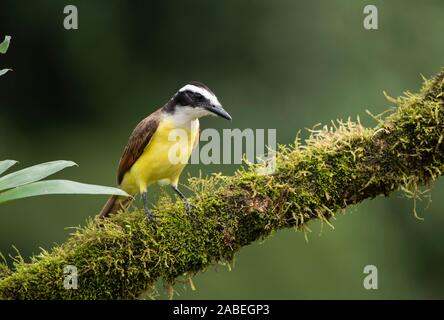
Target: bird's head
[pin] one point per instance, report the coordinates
(196, 100)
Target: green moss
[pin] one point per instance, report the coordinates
(123, 257)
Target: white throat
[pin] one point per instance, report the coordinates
(186, 116)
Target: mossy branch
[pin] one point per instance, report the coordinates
(123, 257)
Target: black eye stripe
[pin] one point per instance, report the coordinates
(196, 95)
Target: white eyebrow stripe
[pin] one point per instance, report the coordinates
(208, 95)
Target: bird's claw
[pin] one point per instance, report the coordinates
(189, 207)
(150, 217)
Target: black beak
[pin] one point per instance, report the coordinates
(219, 111)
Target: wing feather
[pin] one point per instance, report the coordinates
(137, 142)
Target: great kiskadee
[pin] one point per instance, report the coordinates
(147, 157)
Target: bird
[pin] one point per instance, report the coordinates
(153, 150)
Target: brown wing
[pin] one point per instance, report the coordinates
(137, 142)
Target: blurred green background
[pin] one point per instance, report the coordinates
(288, 65)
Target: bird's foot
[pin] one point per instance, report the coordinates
(189, 209)
(188, 206)
(150, 217)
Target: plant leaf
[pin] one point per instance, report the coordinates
(32, 174)
(3, 71)
(5, 44)
(57, 187)
(6, 164)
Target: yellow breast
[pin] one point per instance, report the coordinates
(164, 157)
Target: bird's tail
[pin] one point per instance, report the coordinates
(114, 204)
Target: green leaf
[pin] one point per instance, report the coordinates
(57, 187)
(6, 164)
(32, 174)
(3, 71)
(5, 44)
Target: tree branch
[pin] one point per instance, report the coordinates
(123, 257)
